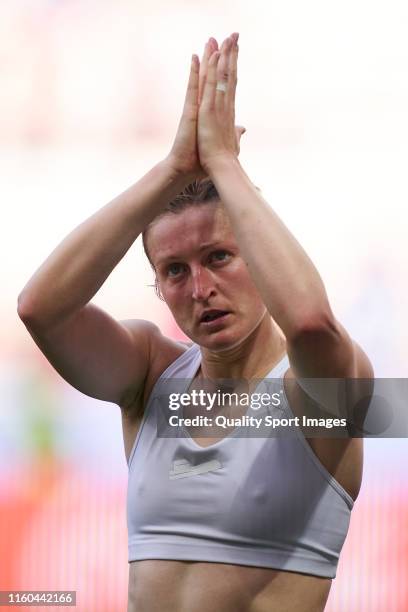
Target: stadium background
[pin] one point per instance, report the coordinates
(91, 94)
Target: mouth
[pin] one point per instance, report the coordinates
(214, 317)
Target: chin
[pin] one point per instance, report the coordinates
(218, 345)
(231, 341)
(217, 341)
(223, 340)
(228, 338)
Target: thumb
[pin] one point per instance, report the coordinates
(239, 130)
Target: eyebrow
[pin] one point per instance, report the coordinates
(203, 247)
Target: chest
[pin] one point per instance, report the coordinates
(255, 488)
(342, 458)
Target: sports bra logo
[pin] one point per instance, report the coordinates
(182, 468)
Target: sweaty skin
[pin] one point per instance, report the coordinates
(177, 586)
(185, 586)
(246, 346)
(275, 303)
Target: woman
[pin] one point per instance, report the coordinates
(244, 291)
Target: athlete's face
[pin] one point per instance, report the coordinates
(199, 268)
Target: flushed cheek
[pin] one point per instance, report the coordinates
(180, 311)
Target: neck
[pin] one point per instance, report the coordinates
(254, 357)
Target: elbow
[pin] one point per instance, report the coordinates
(22, 307)
(316, 324)
(26, 311)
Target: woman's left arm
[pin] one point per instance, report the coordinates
(285, 276)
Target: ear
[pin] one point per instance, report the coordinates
(157, 289)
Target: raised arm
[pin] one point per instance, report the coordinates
(286, 278)
(99, 356)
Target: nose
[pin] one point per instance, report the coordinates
(202, 284)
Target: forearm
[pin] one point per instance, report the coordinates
(80, 264)
(286, 278)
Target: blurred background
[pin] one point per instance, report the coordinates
(91, 94)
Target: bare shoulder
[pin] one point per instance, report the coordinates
(159, 345)
(98, 355)
(162, 351)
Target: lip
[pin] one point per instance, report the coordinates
(216, 322)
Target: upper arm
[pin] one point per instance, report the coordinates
(101, 357)
(327, 351)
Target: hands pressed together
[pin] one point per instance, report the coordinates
(207, 128)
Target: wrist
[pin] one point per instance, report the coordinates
(219, 163)
(176, 173)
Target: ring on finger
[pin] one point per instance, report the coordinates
(221, 86)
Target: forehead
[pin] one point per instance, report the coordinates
(188, 231)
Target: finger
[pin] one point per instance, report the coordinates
(222, 75)
(210, 82)
(203, 68)
(191, 99)
(210, 47)
(232, 73)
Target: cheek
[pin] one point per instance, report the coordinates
(245, 291)
(175, 299)
(241, 278)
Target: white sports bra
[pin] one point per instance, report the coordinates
(265, 502)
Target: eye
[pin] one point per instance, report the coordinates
(174, 269)
(219, 256)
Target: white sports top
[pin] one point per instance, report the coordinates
(265, 502)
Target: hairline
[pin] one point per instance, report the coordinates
(176, 211)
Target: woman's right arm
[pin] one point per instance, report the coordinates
(102, 357)
(95, 353)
